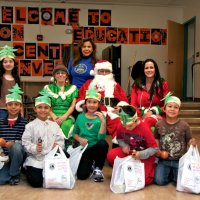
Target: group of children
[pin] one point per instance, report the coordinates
(28, 144)
(25, 145)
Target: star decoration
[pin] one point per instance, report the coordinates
(93, 93)
(7, 51)
(16, 89)
(45, 92)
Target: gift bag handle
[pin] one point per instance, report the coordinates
(195, 151)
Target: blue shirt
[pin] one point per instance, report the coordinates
(14, 132)
(81, 72)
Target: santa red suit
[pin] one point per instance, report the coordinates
(111, 92)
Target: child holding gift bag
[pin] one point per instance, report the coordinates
(174, 136)
(135, 138)
(39, 138)
(90, 128)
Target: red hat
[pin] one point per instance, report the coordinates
(60, 67)
(101, 64)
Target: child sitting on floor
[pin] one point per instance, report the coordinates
(11, 130)
(174, 136)
(39, 138)
(90, 128)
(136, 138)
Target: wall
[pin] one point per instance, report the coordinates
(122, 16)
(189, 11)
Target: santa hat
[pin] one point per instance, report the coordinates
(7, 52)
(15, 94)
(101, 64)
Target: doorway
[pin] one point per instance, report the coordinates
(189, 57)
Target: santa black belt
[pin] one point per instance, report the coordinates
(112, 102)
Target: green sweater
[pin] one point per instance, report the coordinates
(88, 129)
(61, 102)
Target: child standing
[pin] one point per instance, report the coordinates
(90, 128)
(8, 75)
(174, 136)
(39, 138)
(136, 138)
(11, 130)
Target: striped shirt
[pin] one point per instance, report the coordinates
(14, 132)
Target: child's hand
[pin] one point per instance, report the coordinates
(9, 144)
(116, 109)
(39, 147)
(136, 154)
(59, 120)
(54, 145)
(2, 154)
(83, 141)
(100, 116)
(2, 142)
(193, 142)
(147, 114)
(126, 149)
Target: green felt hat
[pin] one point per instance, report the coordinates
(169, 98)
(15, 94)
(127, 114)
(7, 52)
(93, 94)
(45, 98)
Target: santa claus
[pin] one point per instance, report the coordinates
(113, 96)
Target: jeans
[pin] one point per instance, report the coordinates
(16, 155)
(166, 171)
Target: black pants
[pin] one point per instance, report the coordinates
(96, 153)
(34, 176)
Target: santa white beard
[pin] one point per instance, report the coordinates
(104, 83)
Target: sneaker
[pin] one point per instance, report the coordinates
(15, 180)
(97, 175)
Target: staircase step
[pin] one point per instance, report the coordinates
(193, 120)
(190, 105)
(195, 130)
(190, 113)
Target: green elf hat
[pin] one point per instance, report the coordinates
(127, 114)
(169, 98)
(45, 98)
(93, 94)
(7, 52)
(15, 94)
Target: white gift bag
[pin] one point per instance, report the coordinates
(57, 172)
(127, 175)
(75, 157)
(189, 171)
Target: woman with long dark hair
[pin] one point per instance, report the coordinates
(83, 62)
(148, 91)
